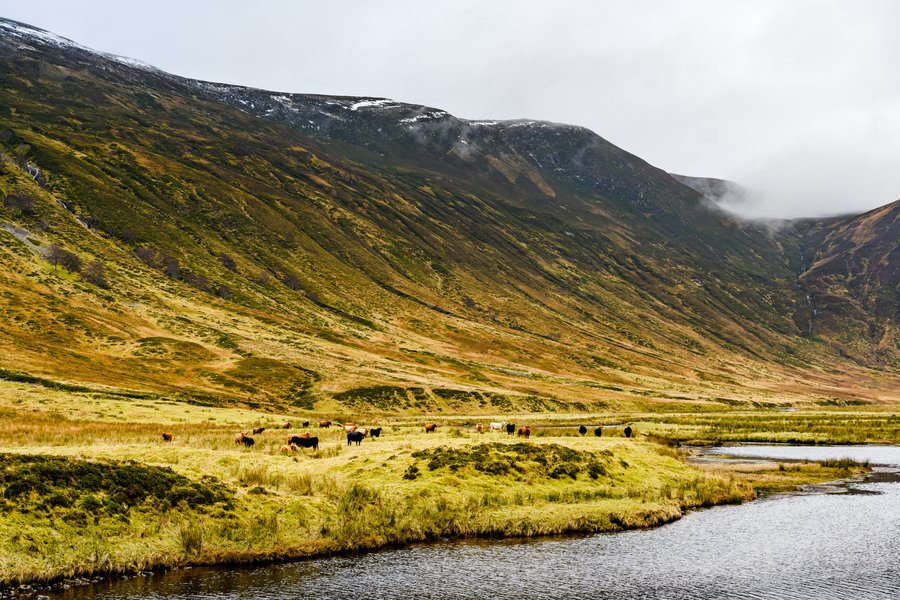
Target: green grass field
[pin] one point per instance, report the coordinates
(89, 486)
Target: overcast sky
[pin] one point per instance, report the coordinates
(798, 99)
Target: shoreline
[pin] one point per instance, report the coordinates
(12, 590)
(640, 517)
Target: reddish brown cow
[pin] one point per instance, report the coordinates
(479, 427)
(325, 424)
(167, 437)
(302, 435)
(258, 430)
(525, 431)
(349, 427)
(239, 437)
(430, 427)
(286, 425)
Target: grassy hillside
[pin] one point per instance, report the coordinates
(241, 260)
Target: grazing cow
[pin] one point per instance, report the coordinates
(598, 432)
(257, 430)
(167, 437)
(286, 425)
(306, 423)
(293, 438)
(348, 427)
(430, 427)
(479, 427)
(325, 424)
(497, 426)
(525, 431)
(306, 442)
(288, 448)
(354, 436)
(510, 428)
(375, 432)
(582, 430)
(248, 441)
(628, 432)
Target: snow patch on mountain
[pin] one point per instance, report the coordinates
(370, 103)
(27, 33)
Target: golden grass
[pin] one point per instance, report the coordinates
(339, 497)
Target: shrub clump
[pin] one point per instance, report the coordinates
(29, 482)
(548, 460)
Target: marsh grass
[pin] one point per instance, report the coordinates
(843, 463)
(406, 486)
(836, 427)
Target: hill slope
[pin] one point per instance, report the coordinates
(311, 251)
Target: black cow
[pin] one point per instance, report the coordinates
(510, 428)
(305, 442)
(355, 436)
(628, 432)
(598, 432)
(375, 432)
(306, 423)
(247, 441)
(582, 430)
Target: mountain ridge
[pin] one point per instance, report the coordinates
(540, 255)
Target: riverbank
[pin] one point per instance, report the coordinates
(107, 495)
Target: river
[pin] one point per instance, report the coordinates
(827, 542)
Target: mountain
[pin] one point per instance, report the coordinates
(851, 274)
(247, 247)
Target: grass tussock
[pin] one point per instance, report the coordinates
(843, 463)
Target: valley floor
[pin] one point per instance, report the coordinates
(90, 487)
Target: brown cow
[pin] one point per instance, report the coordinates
(325, 424)
(525, 431)
(167, 437)
(430, 427)
(479, 427)
(239, 437)
(349, 427)
(258, 430)
(302, 435)
(286, 425)
(364, 431)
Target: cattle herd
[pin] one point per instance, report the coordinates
(356, 434)
(295, 442)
